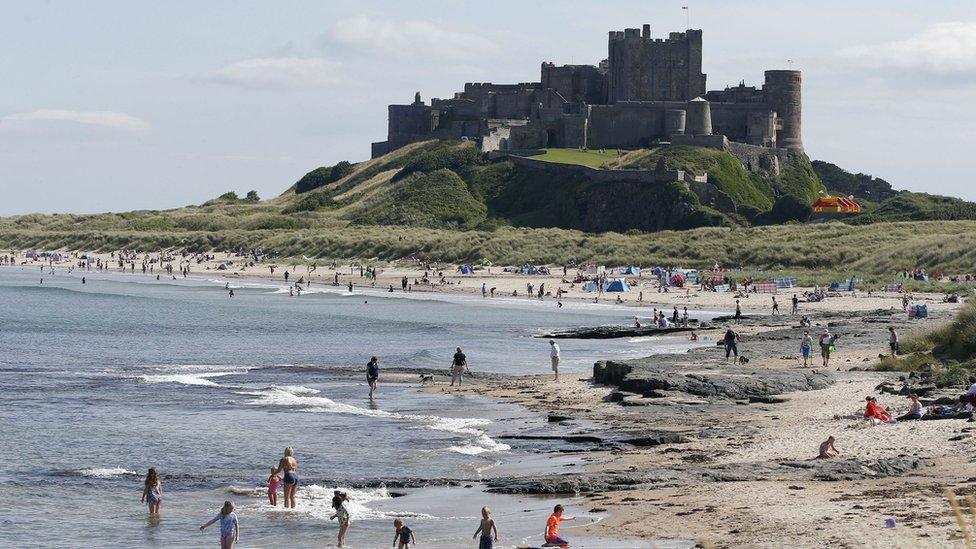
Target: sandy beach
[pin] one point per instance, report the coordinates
(726, 470)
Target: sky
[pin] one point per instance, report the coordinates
(122, 105)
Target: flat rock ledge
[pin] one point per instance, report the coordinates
(820, 470)
(741, 384)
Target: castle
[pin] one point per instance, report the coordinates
(648, 90)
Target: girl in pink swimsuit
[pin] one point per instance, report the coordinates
(274, 481)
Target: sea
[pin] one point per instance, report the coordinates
(101, 380)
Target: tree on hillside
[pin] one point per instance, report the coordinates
(252, 196)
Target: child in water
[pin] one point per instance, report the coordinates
(486, 528)
(274, 481)
(552, 527)
(229, 530)
(403, 534)
(152, 491)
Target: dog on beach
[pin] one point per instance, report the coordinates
(743, 360)
(426, 378)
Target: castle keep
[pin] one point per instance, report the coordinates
(648, 90)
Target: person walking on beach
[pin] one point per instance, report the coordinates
(738, 310)
(458, 365)
(554, 358)
(484, 289)
(826, 342)
(372, 374)
(892, 341)
(339, 500)
(486, 529)
(796, 302)
(289, 466)
(230, 531)
(731, 341)
(806, 344)
(775, 306)
(552, 527)
(152, 492)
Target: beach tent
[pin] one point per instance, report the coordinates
(691, 275)
(784, 282)
(616, 285)
(918, 311)
(677, 280)
(594, 270)
(466, 269)
(766, 287)
(629, 270)
(836, 205)
(590, 287)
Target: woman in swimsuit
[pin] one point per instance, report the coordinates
(289, 466)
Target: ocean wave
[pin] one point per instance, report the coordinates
(478, 443)
(315, 501)
(202, 379)
(98, 472)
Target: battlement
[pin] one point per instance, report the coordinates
(644, 35)
(644, 92)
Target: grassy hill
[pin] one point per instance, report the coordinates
(446, 201)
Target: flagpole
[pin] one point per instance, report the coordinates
(687, 16)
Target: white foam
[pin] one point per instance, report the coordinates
(104, 472)
(315, 501)
(187, 379)
(292, 396)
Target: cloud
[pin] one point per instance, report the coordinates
(409, 38)
(279, 73)
(943, 48)
(105, 119)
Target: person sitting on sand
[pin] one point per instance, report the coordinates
(914, 411)
(552, 528)
(874, 411)
(827, 449)
(694, 336)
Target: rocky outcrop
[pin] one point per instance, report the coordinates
(733, 385)
(822, 470)
(611, 332)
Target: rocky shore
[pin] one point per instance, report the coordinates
(690, 445)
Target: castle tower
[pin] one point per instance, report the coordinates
(699, 121)
(641, 68)
(782, 94)
(674, 122)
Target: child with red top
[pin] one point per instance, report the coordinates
(552, 527)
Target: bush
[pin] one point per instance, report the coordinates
(311, 202)
(252, 196)
(437, 199)
(786, 208)
(451, 156)
(230, 195)
(323, 176)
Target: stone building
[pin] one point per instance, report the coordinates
(647, 91)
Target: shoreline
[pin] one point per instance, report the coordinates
(737, 448)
